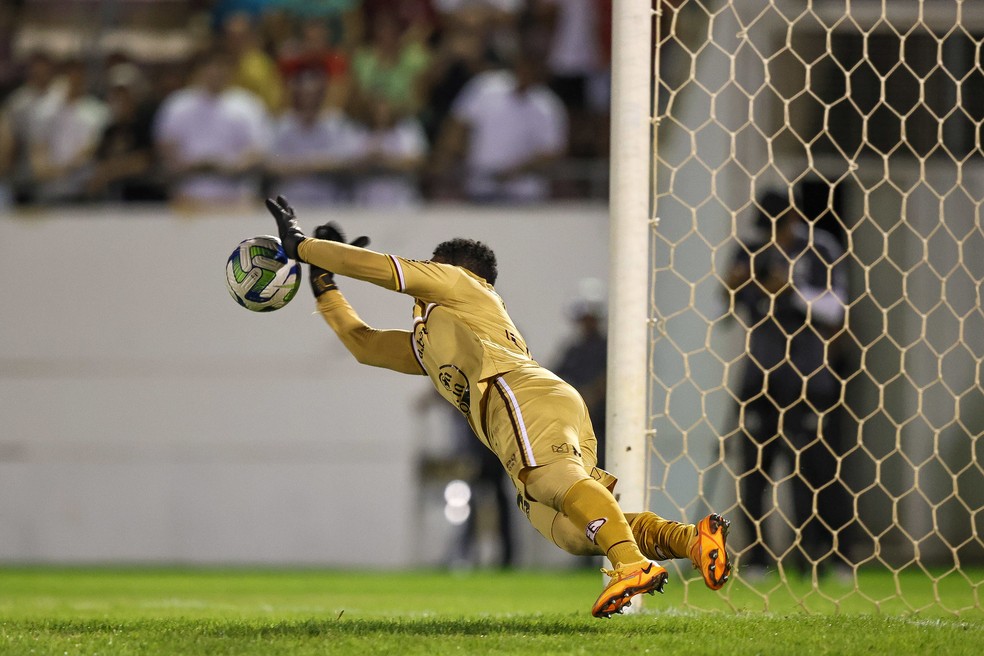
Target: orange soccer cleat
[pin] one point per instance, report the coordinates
(628, 581)
(709, 552)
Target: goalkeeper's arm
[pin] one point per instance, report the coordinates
(349, 261)
(328, 252)
(391, 349)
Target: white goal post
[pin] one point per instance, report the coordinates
(627, 413)
(867, 118)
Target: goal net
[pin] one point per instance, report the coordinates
(816, 332)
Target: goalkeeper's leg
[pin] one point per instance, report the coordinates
(704, 544)
(566, 487)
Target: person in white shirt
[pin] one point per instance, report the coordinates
(390, 155)
(578, 62)
(25, 111)
(575, 54)
(212, 137)
(61, 151)
(509, 129)
(312, 147)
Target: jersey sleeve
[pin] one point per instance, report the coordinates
(349, 261)
(389, 349)
(428, 281)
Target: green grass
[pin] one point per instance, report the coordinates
(299, 612)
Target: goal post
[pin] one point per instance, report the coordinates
(630, 196)
(863, 120)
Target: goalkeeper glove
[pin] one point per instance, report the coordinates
(322, 280)
(290, 233)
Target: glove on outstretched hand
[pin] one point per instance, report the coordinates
(321, 280)
(290, 233)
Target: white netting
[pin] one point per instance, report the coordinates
(867, 322)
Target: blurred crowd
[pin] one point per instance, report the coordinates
(365, 102)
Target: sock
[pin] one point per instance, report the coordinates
(591, 505)
(661, 539)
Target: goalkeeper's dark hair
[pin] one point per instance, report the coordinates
(469, 254)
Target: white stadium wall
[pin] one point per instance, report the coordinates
(145, 417)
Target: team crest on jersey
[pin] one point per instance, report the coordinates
(456, 384)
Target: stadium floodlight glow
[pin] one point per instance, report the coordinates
(457, 502)
(457, 493)
(457, 515)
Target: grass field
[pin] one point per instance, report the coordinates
(266, 612)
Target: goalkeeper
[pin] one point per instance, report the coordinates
(537, 425)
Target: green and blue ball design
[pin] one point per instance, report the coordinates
(260, 276)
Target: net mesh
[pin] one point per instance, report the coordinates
(817, 333)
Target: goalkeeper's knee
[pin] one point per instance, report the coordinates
(550, 483)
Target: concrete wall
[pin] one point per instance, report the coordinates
(144, 416)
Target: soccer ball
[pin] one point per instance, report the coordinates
(259, 275)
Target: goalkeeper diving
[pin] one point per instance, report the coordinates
(536, 424)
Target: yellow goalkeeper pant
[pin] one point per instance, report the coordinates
(539, 427)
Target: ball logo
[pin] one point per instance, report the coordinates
(455, 383)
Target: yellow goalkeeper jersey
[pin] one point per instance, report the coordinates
(462, 335)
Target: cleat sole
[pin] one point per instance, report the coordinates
(715, 524)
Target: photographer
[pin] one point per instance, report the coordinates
(789, 290)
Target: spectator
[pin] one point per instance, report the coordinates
(498, 22)
(255, 70)
(7, 152)
(392, 65)
(314, 50)
(459, 56)
(584, 361)
(26, 110)
(61, 154)
(276, 31)
(417, 18)
(509, 129)
(343, 17)
(312, 145)
(578, 69)
(211, 137)
(391, 155)
(792, 296)
(125, 155)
